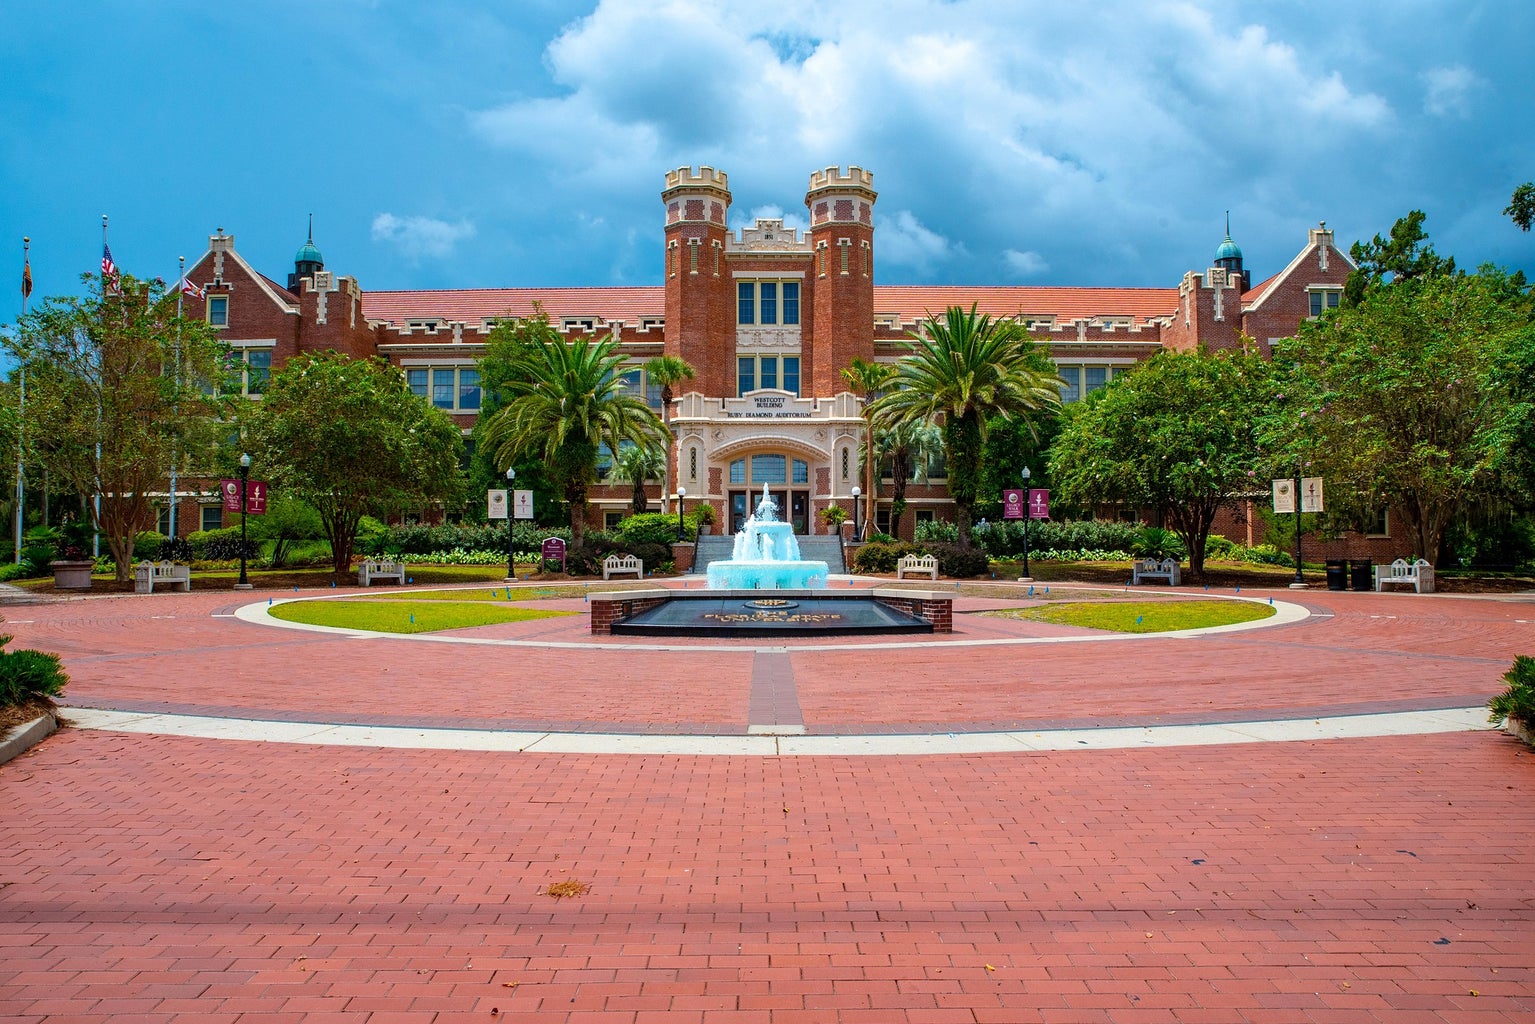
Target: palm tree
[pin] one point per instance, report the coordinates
(966, 368)
(666, 372)
(908, 446)
(565, 400)
(636, 464)
(867, 379)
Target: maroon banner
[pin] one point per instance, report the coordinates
(1012, 504)
(1039, 503)
(255, 497)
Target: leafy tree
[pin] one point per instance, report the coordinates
(349, 438)
(1423, 396)
(636, 464)
(906, 446)
(666, 372)
(868, 379)
(1521, 207)
(1404, 256)
(564, 400)
(118, 386)
(966, 369)
(287, 521)
(1178, 434)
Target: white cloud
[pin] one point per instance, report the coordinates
(1024, 264)
(1447, 91)
(418, 237)
(904, 242)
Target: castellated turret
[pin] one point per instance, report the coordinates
(699, 300)
(841, 206)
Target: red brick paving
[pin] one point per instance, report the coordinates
(147, 878)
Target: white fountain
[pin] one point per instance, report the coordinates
(766, 556)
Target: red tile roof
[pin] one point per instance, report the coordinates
(910, 302)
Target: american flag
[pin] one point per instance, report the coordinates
(109, 271)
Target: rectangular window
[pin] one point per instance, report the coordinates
(791, 303)
(417, 380)
(746, 303)
(653, 395)
(258, 370)
(213, 517)
(163, 520)
(218, 310)
(791, 374)
(769, 367)
(738, 471)
(769, 469)
(937, 468)
(1071, 391)
(767, 296)
(442, 388)
(801, 471)
(468, 389)
(1323, 299)
(1096, 378)
(746, 375)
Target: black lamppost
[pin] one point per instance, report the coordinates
(1298, 583)
(682, 492)
(245, 476)
(1027, 512)
(857, 523)
(511, 503)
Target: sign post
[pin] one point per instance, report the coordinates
(554, 550)
(1309, 492)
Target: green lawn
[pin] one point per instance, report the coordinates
(1142, 616)
(405, 616)
(503, 595)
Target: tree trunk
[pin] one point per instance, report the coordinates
(671, 452)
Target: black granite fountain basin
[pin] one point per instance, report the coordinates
(772, 613)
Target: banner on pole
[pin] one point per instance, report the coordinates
(255, 497)
(1039, 503)
(1311, 494)
(1012, 504)
(496, 507)
(1284, 495)
(522, 505)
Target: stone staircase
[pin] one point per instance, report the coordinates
(822, 548)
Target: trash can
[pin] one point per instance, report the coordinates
(1337, 575)
(1362, 574)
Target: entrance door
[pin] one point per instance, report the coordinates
(799, 511)
(738, 511)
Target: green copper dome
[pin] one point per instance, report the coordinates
(307, 253)
(1228, 251)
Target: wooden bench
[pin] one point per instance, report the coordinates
(166, 574)
(378, 569)
(917, 565)
(617, 565)
(1420, 574)
(1151, 569)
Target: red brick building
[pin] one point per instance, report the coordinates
(768, 316)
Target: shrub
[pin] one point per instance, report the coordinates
(937, 531)
(1267, 554)
(371, 537)
(1518, 701)
(220, 545)
(146, 545)
(1155, 542)
(833, 515)
(175, 549)
(652, 528)
(27, 675)
(881, 557)
(22, 570)
(958, 562)
(1217, 546)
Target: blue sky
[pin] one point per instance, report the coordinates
(520, 144)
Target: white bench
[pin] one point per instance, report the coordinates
(166, 574)
(917, 565)
(1151, 569)
(1420, 574)
(378, 569)
(617, 565)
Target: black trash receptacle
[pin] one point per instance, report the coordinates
(1337, 574)
(1361, 574)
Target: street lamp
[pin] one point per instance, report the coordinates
(511, 501)
(857, 528)
(245, 476)
(1027, 512)
(682, 492)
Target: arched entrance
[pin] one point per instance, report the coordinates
(787, 478)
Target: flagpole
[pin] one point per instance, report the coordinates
(21, 429)
(181, 284)
(96, 526)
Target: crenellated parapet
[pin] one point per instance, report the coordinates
(696, 197)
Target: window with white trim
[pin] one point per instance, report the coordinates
(212, 517)
(450, 388)
(1082, 380)
(218, 311)
(767, 303)
(767, 370)
(1323, 299)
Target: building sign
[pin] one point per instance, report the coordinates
(496, 508)
(770, 407)
(1012, 504)
(554, 551)
(255, 497)
(1310, 495)
(522, 504)
(1039, 503)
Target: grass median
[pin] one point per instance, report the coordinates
(406, 616)
(1142, 616)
